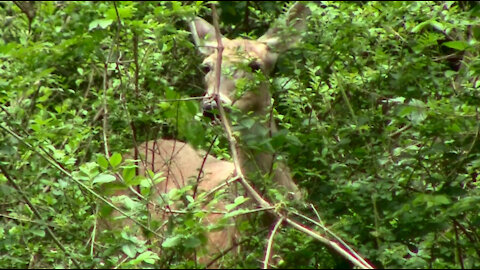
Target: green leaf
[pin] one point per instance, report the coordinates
(457, 45)
(129, 203)
(437, 25)
(450, 73)
(171, 241)
(128, 173)
(418, 113)
(115, 159)
(123, 12)
(101, 23)
(420, 26)
(148, 257)
(129, 250)
(192, 242)
(104, 178)
(236, 213)
(239, 200)
(247, 123)
(102, 162)
(441, 199)
(40, 233)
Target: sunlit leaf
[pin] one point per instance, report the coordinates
(104, 178)
(100, 23)
(457, 45)
(115, 159)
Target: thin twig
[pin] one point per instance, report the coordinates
(459, 248)
(270, 242)
(345, 98)
(376, 220)
(200, 171)
(340, 240)
(317, 214)
(398, 132)
(94, 232)
(105, 111)
(329, 243)
(28, 220)
(224, 183)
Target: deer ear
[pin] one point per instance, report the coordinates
(286, 32)
(203, 35)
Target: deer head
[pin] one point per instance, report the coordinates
(244, 63)
(242, 58)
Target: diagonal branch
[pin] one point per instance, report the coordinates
(238, 169)
(270, 242)
(226, 123)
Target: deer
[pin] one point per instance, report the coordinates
(241, 59)
(182, 165)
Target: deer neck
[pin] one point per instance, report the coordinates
(257, 156)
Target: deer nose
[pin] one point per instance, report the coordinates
(209, 103)
(209, 106)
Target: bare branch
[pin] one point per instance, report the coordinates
(270, 242)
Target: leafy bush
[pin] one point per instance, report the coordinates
(378, 107)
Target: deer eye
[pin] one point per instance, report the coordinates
(205, 68)
(255, 66)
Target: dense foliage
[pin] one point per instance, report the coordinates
(378, 107)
